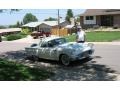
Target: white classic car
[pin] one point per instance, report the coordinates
(56, 48)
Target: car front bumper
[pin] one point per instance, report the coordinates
(82, 55)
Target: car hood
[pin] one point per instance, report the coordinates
(75, 45)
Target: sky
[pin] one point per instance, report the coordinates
(7, 18)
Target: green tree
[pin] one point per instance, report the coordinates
(2, 27)
(13, 26)
(69, 15)
(18, 24)
(78, 19)
(29, 18)
(21, 23)
(50, 19)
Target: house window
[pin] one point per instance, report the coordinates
(89, 18)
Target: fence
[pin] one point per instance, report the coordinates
(62, 32)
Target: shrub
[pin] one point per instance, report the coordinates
(15, 36)
(26, 31)
(115, 26)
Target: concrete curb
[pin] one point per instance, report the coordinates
(106, 43)
(37, 40)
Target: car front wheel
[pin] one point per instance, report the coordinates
(65, 60)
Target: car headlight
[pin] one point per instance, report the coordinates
(73, 51)
(90, 45)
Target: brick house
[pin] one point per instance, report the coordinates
(100, 17)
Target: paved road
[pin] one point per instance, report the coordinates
(12, 46)
(105, 55)
(108, 55)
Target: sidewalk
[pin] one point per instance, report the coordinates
(29, 39)
(102, 29)
(106, 43)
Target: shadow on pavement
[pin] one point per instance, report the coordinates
(14, 55)
(84, 70)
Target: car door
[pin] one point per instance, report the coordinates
(43, 50)
(51, 51)
(47, 50)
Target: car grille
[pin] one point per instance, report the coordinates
(86, 53)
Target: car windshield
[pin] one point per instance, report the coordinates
(59, 41)
(53, 42)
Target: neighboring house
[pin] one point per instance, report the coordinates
(45, 26)
(9, 31)
(100, 17)
(70, 29)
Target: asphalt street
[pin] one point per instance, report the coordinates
(108, 55)
(12, 46)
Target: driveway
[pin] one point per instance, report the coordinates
(6, 46)
(103, 67)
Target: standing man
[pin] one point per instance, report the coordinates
(80, 38)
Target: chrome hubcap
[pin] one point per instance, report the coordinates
(65, 60)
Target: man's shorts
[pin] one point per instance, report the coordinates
(80, 41)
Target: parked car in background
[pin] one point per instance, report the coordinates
(40, 34)
(57, 48)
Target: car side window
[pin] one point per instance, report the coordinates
(50, 44)
(44, 44)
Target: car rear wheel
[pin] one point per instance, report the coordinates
(65, 60)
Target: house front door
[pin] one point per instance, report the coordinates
(106, 20)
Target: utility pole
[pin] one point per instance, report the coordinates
(75, 24)
(58, 22)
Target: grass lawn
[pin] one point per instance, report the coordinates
(11, 71)
(99, 36)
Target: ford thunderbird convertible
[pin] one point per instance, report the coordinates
(57, 48)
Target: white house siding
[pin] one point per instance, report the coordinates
(88, 22)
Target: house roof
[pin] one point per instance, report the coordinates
(32, 24)
(69, 26)
(89, 12)
(10, 30)
(35, 24)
